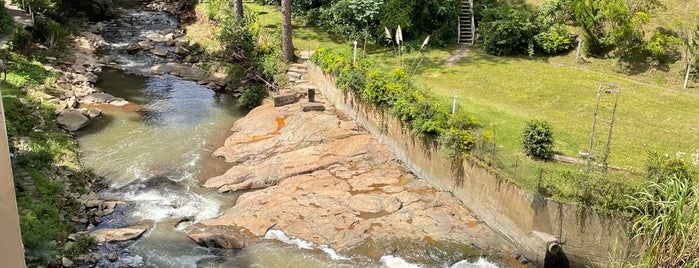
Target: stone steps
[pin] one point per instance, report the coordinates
(299, 88)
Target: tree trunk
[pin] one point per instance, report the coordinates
(287, 45)
(238, 5)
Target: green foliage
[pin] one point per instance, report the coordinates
(554, 12)
(213, 9)
(83, 245)
(6, 22)
(249, 42)
(352, 78)
(354, 19)
(456, 142)
(22, 40)
(662, 44)
(537, 140)
(507, 29)
(610, 24)
(395, 92)
(50, 31)
(253, 96)
(555, 40)
(666, 214)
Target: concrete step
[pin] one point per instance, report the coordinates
(294, 75)
(297, 70)
(298, 66)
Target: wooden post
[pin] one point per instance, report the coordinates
(577, 51)
(11, 248)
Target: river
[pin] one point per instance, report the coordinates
(154, 152)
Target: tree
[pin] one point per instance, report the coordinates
(287, 44)
(690, 43)
(609, 24)
(238, 6)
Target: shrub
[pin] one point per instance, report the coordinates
(537, 139)
(456, 142)
(22, 40)
(50, 31)
(508, 31)
(353, 79)
(253, 96)
(555, 40)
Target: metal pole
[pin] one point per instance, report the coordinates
(354, 59)
(453, 106)
(686, 76)
(11, 249)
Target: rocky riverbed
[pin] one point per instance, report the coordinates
(324, 179)
(316, 176)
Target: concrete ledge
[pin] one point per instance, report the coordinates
(590, 238)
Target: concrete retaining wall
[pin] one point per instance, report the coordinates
(590, 239)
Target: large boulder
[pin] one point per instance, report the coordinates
(72, 120)
(325, 180)
(228, 237)
(122, 234)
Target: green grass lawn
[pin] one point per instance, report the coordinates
(654, 113)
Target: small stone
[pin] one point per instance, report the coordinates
(67, 262)
(133, 49)
(93, 113)
(110, 205)
(97, 219)
(91, 77)
(112, 256)
(119, 102)
(51, 59)
(162, 52)
(93, 203)
(145, 45)
(74, 237)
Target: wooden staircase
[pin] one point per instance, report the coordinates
(467, 27)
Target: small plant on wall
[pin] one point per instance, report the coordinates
(537, 139)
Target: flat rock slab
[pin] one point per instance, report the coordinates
(323, 179)
(72, 120)
(122, 234)
(99, 98)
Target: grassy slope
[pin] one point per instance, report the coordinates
(654, 113)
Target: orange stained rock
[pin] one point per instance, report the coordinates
(280, 124)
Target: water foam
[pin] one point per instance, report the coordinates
(279, 235)
(158, 205)
(480, 263)
(397, 262)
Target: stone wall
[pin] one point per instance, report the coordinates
(589, 239)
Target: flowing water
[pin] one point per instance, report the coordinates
(155, 151)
